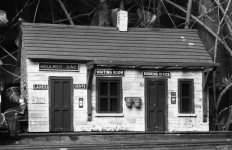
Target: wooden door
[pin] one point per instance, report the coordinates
(155, 105)
(61, 104)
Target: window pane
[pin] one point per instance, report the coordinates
(186, 105)
(113, 104)
(185, 89)
(103, 88)
(113, 88)
(186, 99)
(103, 104)
(108, 95)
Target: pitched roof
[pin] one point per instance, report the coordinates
(89, 43)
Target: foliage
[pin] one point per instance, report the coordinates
(226, 80)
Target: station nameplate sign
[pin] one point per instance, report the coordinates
(79, 86)
(156, 74)
(109, 72)
(40, 87)
(58, 67)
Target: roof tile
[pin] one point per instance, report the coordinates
(90, 43)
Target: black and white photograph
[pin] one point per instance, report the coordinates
(116, 74)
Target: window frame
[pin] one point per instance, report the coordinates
(119, 96)
(191, 96)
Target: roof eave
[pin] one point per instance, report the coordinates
(152, 65)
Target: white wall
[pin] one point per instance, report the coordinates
(39, 113)
(131, 119)
(180, 122)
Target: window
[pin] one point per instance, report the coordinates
(186, 103)
(109, 95)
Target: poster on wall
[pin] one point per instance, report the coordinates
(38, 100)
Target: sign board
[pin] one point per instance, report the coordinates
(80, 102)
(58, 67)
(109, 72)
(156, 74)
(132, 98)
(40, 87)
(173, 94)
(173, 97)
(79, 86)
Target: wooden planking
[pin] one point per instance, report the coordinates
(116, 34)
(119, 55)
(109, 33)
(67, 48)
(116, 53)
(135, 63)
(93, 32)
(99, 45)
(83, 40)
(121, 41)
(94, 43)
(44, 37)
(128, 37)
(128, 58)
(106, 43)
(97, 38)
(87, 58)
(55, 27)
(80, 27)
(119, 51)
(71, 57)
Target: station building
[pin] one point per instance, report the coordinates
(86, 78)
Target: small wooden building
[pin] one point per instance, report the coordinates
(85, 78)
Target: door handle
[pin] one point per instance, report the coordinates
(154, 105)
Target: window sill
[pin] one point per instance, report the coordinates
(187, 115)
(109, 115)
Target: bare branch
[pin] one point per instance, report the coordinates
(8, 53)
(203, 25)
(65, 11)
(25, 5)
(229, 22)
(222, 94)
(10, 72)
(215, 55)
(218, 30)
(81, 15)
(36, 11)
(168, 14)
(51, 6)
